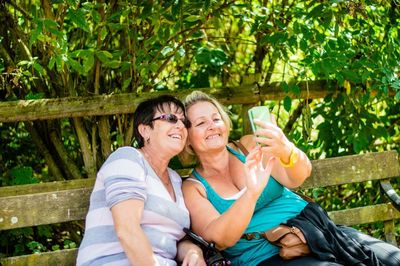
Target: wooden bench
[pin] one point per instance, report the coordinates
(68, 201)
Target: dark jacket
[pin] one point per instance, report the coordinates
(327, 242)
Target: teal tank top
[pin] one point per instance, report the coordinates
(275, 205)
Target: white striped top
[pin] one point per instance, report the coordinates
(127, 175)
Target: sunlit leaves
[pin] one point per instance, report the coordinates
(212, 59)
(78, 18)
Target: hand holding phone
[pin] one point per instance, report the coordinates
(261, 113)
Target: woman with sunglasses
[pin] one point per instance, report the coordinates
(231, 196)
(137, 212)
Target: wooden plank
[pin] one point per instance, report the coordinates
(44, 208)
(61, 257)
(353, 169)
(45, 187)
(365, 215)
(41, 109)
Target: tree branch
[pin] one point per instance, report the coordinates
(55, 172)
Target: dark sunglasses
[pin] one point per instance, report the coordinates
(173, 119)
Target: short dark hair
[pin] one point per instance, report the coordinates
(146, 110)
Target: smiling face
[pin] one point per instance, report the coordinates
(167, 137)
(208, 131)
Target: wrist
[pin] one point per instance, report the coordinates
(292, 158)
(251, 195)
(287, 151)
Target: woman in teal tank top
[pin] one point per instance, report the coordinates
(230, 194)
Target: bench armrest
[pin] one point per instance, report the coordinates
(391, 193)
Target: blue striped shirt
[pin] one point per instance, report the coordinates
(127, 175)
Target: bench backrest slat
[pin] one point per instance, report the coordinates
(353, 169)
(61, 257)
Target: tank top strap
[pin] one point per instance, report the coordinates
(240, 156)
(201, 179)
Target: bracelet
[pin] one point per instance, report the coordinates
(293, 158)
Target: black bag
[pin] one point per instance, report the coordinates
(212, 255)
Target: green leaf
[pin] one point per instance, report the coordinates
(285, 86)
(78, 18)
(88, 63)
(104, 56)
(295, 89)
(317, 11)
(397, 97)
(50, 24)
(126, 83)
(59, 62)
(35, 35)
(76, 66)
(287, 103)
(96, 16)
(192, 18)
(113, 63)
(38, 67)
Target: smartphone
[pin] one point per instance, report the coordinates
(261, 113)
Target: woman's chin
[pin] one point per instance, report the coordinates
(216, 145)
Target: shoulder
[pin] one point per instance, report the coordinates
(123, 160)
(124, 153)
(192, 186)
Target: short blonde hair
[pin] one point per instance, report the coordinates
(196, 97)
(199, 96)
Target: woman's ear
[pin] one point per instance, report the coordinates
(144, 131)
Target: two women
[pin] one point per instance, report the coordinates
(230, 194)
(137, 212)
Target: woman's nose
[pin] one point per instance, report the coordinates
(180, 123)
(211, 124)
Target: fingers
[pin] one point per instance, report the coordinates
(253, 157)
(272, 132)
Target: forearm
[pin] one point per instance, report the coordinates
(300, 170)
(137, 247)
(229, 227)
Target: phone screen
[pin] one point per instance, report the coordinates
(260, 113)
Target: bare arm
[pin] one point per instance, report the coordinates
(226, 229)
(127, 215)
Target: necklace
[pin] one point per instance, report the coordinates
(149, 160)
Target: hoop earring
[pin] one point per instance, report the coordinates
(148, 140)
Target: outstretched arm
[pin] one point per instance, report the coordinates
(227, 228)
